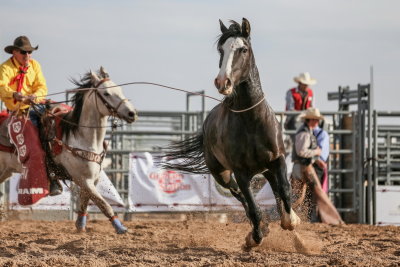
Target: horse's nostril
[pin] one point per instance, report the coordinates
(131, 114)
(228, 83)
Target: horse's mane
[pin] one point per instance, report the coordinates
(70, 122)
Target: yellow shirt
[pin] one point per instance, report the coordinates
(34, 83)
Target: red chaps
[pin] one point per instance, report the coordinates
(33, 184)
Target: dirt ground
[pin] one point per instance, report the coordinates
(194, 242)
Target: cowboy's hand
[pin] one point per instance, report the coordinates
(29, 99)
(318, 151)
(18, 96)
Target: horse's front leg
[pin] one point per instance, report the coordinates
(89, 188)
(277, 178)
(255, 237)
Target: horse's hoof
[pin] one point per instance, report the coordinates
(80, 223)
(80, 230)
(293, 221)
(118, 226)
(122, 231)
(250, 243)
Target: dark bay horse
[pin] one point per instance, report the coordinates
(241, 137)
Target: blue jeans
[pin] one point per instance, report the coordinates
(34, 114)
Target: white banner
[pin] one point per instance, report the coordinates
(63, 201)
(155, 189)
(388, 205)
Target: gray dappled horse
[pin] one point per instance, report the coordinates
(240, 136)
(84, 129)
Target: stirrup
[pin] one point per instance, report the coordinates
(55, 188)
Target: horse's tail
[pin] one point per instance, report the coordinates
(186, 156)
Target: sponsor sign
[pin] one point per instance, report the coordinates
(154, 189)
(63, 201)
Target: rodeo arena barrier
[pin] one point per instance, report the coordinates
(364, 166)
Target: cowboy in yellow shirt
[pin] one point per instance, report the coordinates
(22, 83)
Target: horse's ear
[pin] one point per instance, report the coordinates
(104, 73)
(222, 26)
(94, 78)
(245, 28)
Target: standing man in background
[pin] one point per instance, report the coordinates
(299, 98)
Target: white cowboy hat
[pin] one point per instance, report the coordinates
(305, 78)
(311, 113)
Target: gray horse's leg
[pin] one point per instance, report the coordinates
(87, 186)
(82, 211)
(5, 174)
(277, 178)
(254, 213)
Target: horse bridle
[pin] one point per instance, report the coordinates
(110, 108)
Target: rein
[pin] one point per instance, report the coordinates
(111, 109)
(85, 154)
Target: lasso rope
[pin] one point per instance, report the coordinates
(134, 83)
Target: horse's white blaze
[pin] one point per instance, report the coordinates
(229, 48)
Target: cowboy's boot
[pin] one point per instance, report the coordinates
(55, 185)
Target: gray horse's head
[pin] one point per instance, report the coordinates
(112, 100)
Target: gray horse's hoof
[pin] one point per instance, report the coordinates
(118, 226)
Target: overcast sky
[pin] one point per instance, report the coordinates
(173, 42)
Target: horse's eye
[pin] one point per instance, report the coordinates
(106, 94)
(244, 50)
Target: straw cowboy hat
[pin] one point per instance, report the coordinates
(311, 113)
(305, 78)
(21, 43)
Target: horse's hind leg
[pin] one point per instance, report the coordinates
(82, 211)
(277, 177)
(87, 186)
(225, 179)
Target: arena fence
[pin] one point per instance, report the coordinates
(365, 148)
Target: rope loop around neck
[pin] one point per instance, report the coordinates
(247, 109)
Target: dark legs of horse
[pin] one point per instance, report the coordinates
(240, 189)
(88, 191)
(254, 213)
(226, 180)
(277, 178)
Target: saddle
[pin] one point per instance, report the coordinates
(50, 130)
